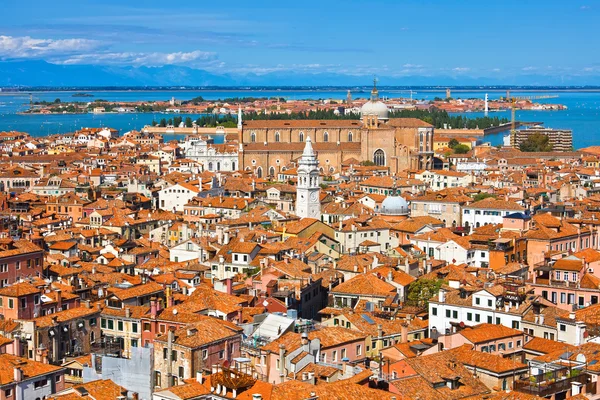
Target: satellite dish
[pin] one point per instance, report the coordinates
(581, 358)
(175, 311)
(265, 303)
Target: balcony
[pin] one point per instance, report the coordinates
(550, 383)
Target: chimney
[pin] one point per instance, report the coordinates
(127, 312)
(442, 296)
(135, 396)
(192, 331)
(199, 377)
(282, 362)
(18, 374)
(153, 309)
(59, 299)
(541, 319)
(379, 331)
(404, 332)
(87, 304)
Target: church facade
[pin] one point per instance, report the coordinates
(267, 146)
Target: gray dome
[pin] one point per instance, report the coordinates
(374, 107)
(394, 205)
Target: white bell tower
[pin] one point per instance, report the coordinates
(308, 202)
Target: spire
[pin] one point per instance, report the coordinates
(239, 117)
(374, 92)
(308, 149)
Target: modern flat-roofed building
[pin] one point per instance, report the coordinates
(561, 139)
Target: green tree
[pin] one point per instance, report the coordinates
(154, 123)
(367, 163)
(170, 121)
(163, 123)
(482, 196)
(57, 100)
(422, 290)
(535, 143)
(461, 149)
(188, 122)
(177, 121)
(453, 143)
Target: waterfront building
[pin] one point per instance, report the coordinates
(267, 147)
(561, 139)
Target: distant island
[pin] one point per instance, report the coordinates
(82, 95)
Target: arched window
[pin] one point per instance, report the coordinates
(271, 171)
(301, 136)
(350, 136)
(326, 136)
(253, 137)
(277, 136)
(210, 166)
(218, 166)
(233, 166)
(259, 172)
(379, 157)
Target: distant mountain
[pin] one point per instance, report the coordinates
(41, 73)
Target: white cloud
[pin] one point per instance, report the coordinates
(461, 69)
(191, 58)
(585, 8)
(28, 47)
(529, 68)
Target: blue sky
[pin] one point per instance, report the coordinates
(387, 38)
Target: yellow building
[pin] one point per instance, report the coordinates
(444, 142)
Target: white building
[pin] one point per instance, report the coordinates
(173, 198)
(308, 191)
(214, 157)
(489, 305)
(488, 211)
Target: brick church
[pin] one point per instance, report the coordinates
(268, 146)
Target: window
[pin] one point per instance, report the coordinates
(477, 300)
(326, 136)
(563, 328)
(489, 319)
(57, 379)
(147, 326)
(448, 314)
(469, 316)
(23, 303)
(157, 380)
(40, 384)
(518, 343)
(490, 302)
(515, 324)
(477, 318)
(111, 324)
(343, 353)
(350, 137)
(510, 345)
(204, 354)
(253, 137)
(359, 350)
(434, 311)
(8, 393)
(221, 354)
(379, 158)
(174, 355)
(181, 372)
(334, 356)
(11, 303)
(103, 323)
(165, 353)
(301, 137)
(134, 327)
(277, 136)
(455, 314)
(120, 325)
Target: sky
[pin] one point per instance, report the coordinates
(384, 38)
